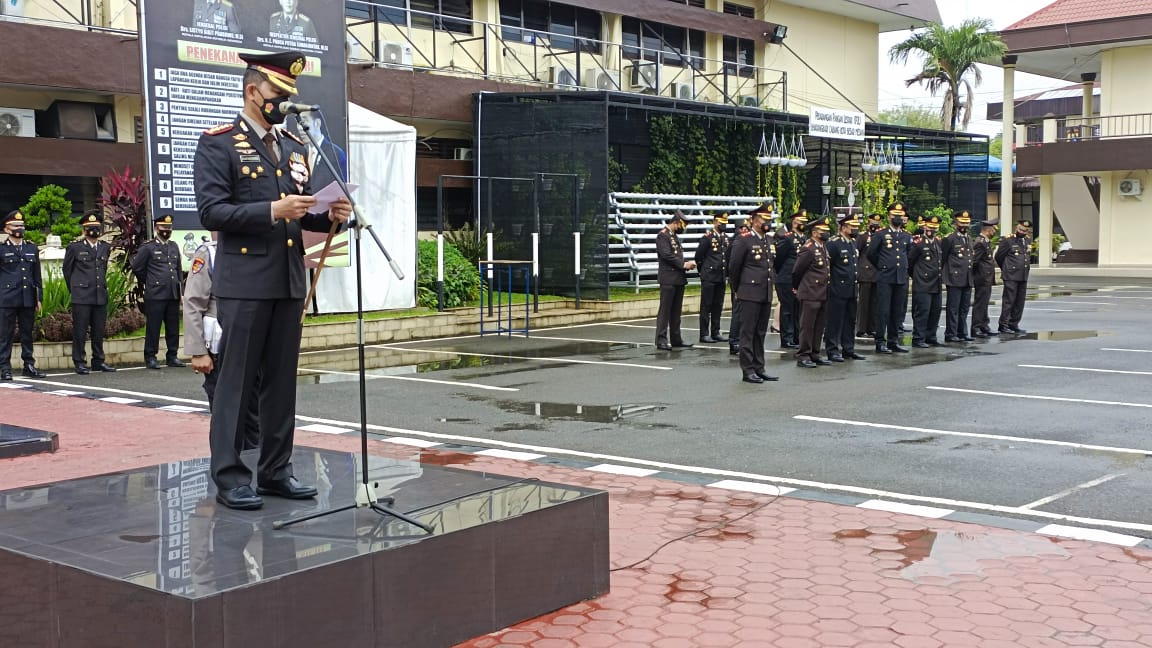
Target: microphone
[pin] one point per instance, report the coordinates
(291, 108)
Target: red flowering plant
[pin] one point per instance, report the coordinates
(123, 199)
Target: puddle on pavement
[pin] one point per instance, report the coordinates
(925, 553)
(927, 439)
(575, 412)
(1060, 336)
(433, 458)
(140, 539)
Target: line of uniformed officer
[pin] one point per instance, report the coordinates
(845, 259)
(924, 260)
(1013, 256)
(888, 251)
(983, 277)
(751, 270)
(157, 268)
(712, 262)
(810, 278)
(787, 249)
(866, 277)
(86, 275)
(21, 292)
(957, 260)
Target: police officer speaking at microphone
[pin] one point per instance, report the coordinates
(86, 275)
(157, 268)
(21, 291)
(252, 188)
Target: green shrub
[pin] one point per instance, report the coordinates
(461, 278)
(49, 212)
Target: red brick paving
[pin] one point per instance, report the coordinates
(759, 571)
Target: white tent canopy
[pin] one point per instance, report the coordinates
(382, 161)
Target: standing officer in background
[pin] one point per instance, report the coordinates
(840, 329)
(787, 248)
(888, 251)
(750, 271)
(1013, 257)
(810, 284)
(866, 276)
(671, 274)
(924, 259)
(734, 322)
(956, 249)
(86, 275)
(711, 259)
(157, 268)
(202, 336)
(21, 291)
(252, 187)
(983, 277)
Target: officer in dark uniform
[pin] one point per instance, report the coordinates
(711, 259)
(888, 251)
(85, 274)
(866, 277)
(1012, 255)
(21, 291)
(157, 268)
(671, 274)
(810, 279)
(734, 322)
(252, 187)
(983, 277)
(787, 248)
(750, 271)
(956, 249)
(925, 262)
(840, 329)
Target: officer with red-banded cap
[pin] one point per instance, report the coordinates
(252, 186)
(957, 257)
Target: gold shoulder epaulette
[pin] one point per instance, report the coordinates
(292, 136)
(222, 128)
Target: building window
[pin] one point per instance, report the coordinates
(739, 10)
(564, 25)
(691, 3)
(652, 41)
(443, 12)
(739, 56)
(357, 9)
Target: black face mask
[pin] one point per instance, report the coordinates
(721, 228)
(873, 228)
(823, 236)
(91, 232)
(164, 234)
(270, 108)
(854, 231)
(962, 229)
(930, 233)
(1020, 234)
(897, 222)
(17, 232)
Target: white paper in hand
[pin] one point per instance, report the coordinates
(328, 195)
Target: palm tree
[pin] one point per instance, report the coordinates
(950, 55)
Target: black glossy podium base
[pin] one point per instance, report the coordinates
(147, 558)
(18, 441)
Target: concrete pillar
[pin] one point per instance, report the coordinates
(1006, 154)
(1088, 79)
(1043, 229)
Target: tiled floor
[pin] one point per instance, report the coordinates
(699, 567)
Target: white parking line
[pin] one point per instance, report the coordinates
(1129, 350)
(1078, 303)
(1111, 371)
(452, 383)
(1094, 535)
(525, 358)
(704, 347)
(1048, 398)
(976, 435)
(627, 471)
(906, 509)
(1075, 489)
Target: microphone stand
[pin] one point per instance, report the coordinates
(366, 490)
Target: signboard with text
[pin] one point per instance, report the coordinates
(835, 124)
(192, 74)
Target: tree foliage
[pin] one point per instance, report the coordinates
(911, 115)
(949, 56)
(49, 212)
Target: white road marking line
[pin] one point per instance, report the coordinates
(799, 483)
(627, 471)
(526, 358)
(1048, 398)
(751, 487)
(1129, 350)
(976, 435)
(121, 401)
(64, 392)
(1075, 489)
(1112, 371)
(8, 385)
(408, 441)
(704, 347)
(182, 409)
(1126, 297)
(125, 392)
(324, 429)
(73, 373)
(510, 454)
(1094, 535)
(906, 509)
(452, 383)
(1078, 303)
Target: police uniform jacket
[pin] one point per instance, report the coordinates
(1012, 256)
(199, 305)
(984, 266)
(711, 257)
(750, 268)
(956, 249)
(811, 274)
(157, 268)
(844, 257)
(86, 272)
(20, 282)
(925, 259)
(787, 246)
(865, 271)
(670, 271)
(236, 183)
(888, 251)
(219, 13)
(297, 26)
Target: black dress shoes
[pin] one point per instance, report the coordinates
(664, 347)
(921, 345)
(106, 368)
(896, 348)
(288, 487)
(967, 338)
(937, 343)
(6, 375)
(83, 369)
(806, 363)
(753, 378)
(151, 363)
(241, 498)
(979, 333)
(31, 371)
(682, 345)
(789, 345)
(836, 358)
(880, 348)
(176, 362)
(951, 339)
(707, 340)
(766, 378)
(821, 361)
(733, 350)
(854, 356)
(1019, 331)
(720, 338)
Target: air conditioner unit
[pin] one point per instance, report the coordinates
(597, 79)
(683, 91)
(1130, 187)
(12, 9)
(17, 122)
(394, 54)
(462, 154)
(643, 77)
(564, 78)
(750, 101)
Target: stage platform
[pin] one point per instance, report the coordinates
(16, 441)
(147, 558)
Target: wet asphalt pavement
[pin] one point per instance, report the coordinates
(605, 389)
